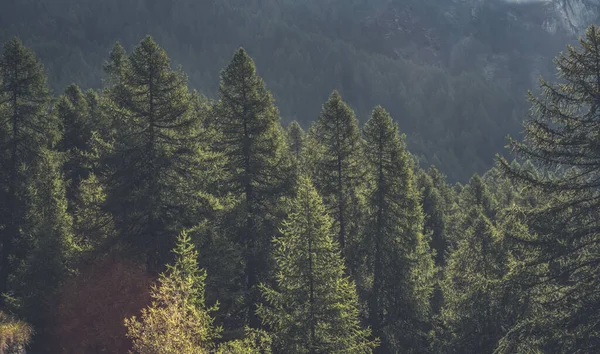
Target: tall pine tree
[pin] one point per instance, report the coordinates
(73, 111)
(338, 174)
(295, 138)
(150, 169)
(257, 165)
(399, 257)
(314, 307)
(560, 261)
(36, 235)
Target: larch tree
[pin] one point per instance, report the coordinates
(336, 150)
(73, 111)
(472, 298)
(399, 258)
(178, 320)
(24, 98)
(560, 256)
(151, 166)
(295, 140)
(36, 228)
(257, 167)
(313, 307)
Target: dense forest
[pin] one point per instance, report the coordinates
(144, 211)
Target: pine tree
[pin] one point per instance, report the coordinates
(314, 306)
(473, 302)
(399, 258)
(36, 229)
(151, 166)
(435, 210)
(26, 129)
(481, 298)
(48, 244)
(116, 66)
(257, 165)
(295, 138)
(559, 261)
(73, 111)
(337, 170)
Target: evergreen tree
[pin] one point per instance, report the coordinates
(73, 111)
(48, 244)
(23, 100)
(314, 306)
(295, 138)
(36, 229)
(399, 257)
(559, 261)
(436, 212)
(337, 170)
(257, 166)
(151, 168)
(473, 302)
(481, 298)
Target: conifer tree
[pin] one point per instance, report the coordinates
(73, 112)
(337, 170)
(481, 298)
(314, 307)
(48, 244)
(151, 168)
(26, 129)
(177, 320)
(435, 210)
(473, 302)
(560, 263)
(36, 229)
(257, 166)
(399, 258)
(295, 138)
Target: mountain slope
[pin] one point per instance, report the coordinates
(453, 73)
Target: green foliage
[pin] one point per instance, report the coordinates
(337, 159)
(24, 96)
(36, 229)
(295, 139)
(399, 258)
(313, 307)
(558, 261)
(151, 165)
(177, 320)
(505, 263)
(473, 303)
(257, 167)
(254, 341)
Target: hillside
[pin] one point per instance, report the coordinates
(454, 74)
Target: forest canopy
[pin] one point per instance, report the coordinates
(140, 215)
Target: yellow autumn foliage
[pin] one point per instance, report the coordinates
(13, 333)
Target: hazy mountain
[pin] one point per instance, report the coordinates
(454, 73)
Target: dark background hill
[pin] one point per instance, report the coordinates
(454, 74)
